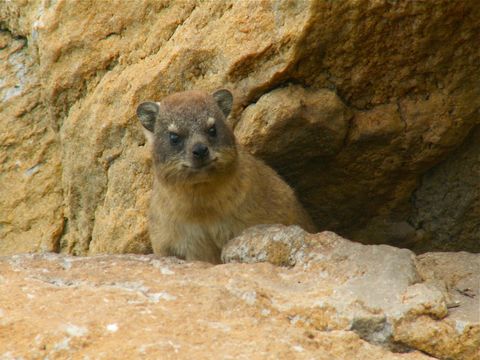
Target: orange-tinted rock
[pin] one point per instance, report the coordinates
(140, 306)
(361, 99)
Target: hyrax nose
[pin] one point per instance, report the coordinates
(200, 151)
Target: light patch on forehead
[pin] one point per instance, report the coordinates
(172, 128)
(210, 121)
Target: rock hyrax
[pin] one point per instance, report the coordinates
(206, 188)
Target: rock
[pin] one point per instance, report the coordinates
(151, 307)
(447, 203)
(290, 123)
(383, 294)
(31, 213)
(283, 246)
(362, 99)
(459, 272)
(113, 222)
(458, 335)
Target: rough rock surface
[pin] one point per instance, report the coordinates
(384, 294)
(459, 274)
(353, 103)
(451, 192)
(31, 212)
(333, 299)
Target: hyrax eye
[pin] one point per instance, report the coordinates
(174, 138)
(212, 131)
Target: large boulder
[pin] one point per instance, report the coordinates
(355, 103)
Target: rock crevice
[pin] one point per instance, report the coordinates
(355, 104)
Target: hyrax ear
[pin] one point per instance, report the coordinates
(224, 100)
(147, 113)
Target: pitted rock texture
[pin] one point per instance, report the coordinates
(458, 273)
(353, 102)
(331, 299)
(31, 212)
(451, 192)
(142, 307)
(384, 294)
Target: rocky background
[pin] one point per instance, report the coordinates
(369, 109)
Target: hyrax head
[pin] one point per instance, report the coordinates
(191, 141)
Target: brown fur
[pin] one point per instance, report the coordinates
(194, 213)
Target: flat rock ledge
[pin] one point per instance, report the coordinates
(282, 294)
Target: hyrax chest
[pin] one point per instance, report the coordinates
(216, 233)
(178, 228)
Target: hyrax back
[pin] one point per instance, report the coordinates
(206, 188)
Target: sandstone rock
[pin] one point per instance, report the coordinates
(381, 92)
(31, 215)
(447, 204)
(133, 306)
(459, 272)
(385, 143)
(458, 335)
(331, 299)
(375, 291)
(113, 222)
(405, 121)
(290, 123)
